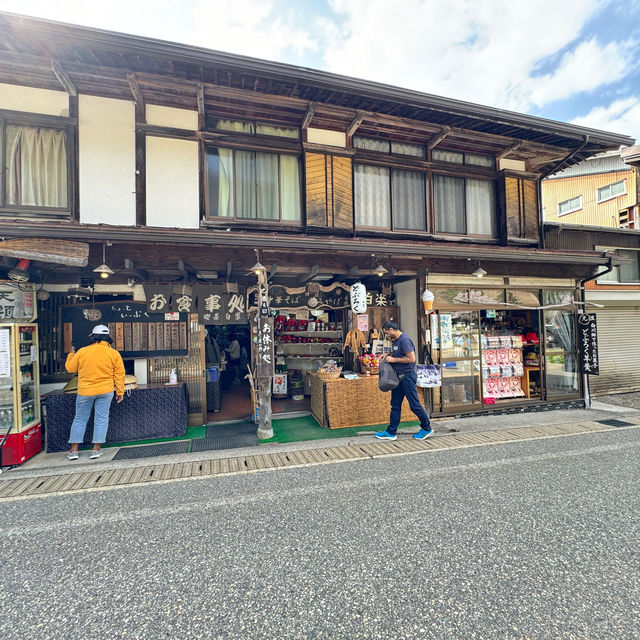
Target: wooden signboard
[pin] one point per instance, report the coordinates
(136, 332)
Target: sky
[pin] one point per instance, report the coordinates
(570, 60)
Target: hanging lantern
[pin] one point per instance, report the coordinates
(358, 296)
(427, 301)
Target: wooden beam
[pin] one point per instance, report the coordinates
(311, 109)
(439, 138)
(355, 123)
(508, 151)
(63, 78)
(201, 107)
(135, 89)
(229, 270)
(305, 277)
(131, 270)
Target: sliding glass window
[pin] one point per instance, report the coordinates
(252, 185)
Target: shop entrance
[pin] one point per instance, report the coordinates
(227, 349)
(488, 357)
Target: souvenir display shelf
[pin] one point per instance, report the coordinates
(504, 375)
(307, 356)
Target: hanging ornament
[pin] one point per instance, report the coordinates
(427, 301)
(358, 296)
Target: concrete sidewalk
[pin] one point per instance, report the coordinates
(603, 408)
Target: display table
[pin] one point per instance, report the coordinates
(344, 403)
(151, 411)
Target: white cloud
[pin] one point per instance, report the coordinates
(621, 116)
(259, 29)
(485, 51)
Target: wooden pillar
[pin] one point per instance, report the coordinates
(264, 358)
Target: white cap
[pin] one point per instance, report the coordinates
(100, 330)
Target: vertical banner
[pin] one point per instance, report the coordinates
(264, 348)
(588, 336)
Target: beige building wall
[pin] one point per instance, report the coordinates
(603, 214)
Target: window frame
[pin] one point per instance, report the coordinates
(616, 270)
(573, 210)
(436, 232)
(610, 186)
(69, 126)
(235, 220)
(392, 225)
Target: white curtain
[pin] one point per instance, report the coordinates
(36, 167)
(409, 211)
(290, 187)
(267, 186)
(225, 182)
(481, 208)
(449, 204)
(372, 196)
(245, 171)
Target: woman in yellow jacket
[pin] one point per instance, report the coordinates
(100, 369)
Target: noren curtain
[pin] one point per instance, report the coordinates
(36, 167)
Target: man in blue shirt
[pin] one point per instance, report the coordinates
(403, 361)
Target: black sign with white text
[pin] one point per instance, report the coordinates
(588, 337)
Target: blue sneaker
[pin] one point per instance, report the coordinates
(385, 435)
(423, 434)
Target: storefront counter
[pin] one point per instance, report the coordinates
(341, 403)
(148, 412)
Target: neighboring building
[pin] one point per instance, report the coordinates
(603, 192)
(599, 192)
(176, 165)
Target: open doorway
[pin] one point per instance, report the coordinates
(227, 349)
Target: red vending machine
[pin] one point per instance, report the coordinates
(20, 435)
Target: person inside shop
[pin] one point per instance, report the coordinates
(403, 361)
(234, 358)
(100, 369)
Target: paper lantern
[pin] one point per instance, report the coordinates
(358, 296)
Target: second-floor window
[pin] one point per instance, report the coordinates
(253, 185)
(35, 167)
(612, 190)
(389, 198)
(465, 206)
(569, 206)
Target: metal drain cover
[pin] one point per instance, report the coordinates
(612, 422)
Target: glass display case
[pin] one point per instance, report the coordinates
(19, 392)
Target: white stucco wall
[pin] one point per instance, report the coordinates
(171, 117)
(407, 302)
(32, 100)
(106, 134)
(172, 183)
(325, 136)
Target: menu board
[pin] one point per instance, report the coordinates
(136, 332)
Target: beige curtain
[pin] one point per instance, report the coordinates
(37, 167)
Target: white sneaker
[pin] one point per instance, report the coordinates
(73, 455)
(95, 454)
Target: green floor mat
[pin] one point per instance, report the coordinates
(306, 428)
(192, 434)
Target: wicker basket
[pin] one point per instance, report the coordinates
(329, 375)
(374, 371)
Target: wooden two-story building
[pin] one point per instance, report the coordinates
(180, 166)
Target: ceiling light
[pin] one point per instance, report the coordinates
(103, 269)
(258, 268)
(479, 272)
(380, 270)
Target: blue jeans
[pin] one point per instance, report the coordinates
(406, 389)
(84, 404)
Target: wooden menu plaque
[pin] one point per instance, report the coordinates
(119, 337)
(167, 336)
(183, 335)
(128, 337)
(151, 333)
(159, 336)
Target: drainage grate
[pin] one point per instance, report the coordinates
(152, 450)
(227, 436)
(612, 422)
(233, 428)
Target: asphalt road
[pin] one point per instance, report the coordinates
(536, 540)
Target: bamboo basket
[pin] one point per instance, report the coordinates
(374, 371)
(329, 375)
(343, 403)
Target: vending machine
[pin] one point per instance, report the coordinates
(20, 436)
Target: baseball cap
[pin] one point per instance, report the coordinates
(100, 330)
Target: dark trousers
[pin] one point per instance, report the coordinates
(406, 389)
